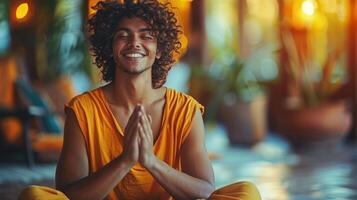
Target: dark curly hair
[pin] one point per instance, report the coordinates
(160, 18)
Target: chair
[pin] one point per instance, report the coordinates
(23, 108)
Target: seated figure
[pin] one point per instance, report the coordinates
(134, 138)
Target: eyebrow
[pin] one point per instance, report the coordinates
(140, 30)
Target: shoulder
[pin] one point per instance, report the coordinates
(82, 107)
(85, 98)
(182, 101)
(182, 109)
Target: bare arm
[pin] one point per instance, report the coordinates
(196, 181)
(72, 174)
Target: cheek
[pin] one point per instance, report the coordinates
(150, 46)
(153, 50)
(116, 51)
(116, 46)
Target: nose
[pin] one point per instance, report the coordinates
(134, 41)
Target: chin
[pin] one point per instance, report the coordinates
(135, 71)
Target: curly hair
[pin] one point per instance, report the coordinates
(159, 17)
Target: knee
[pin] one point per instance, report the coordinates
(28, 193)
(241, 190)
(250, 188)
(35, 192)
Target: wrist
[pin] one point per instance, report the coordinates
(126, 162)
(150, 163)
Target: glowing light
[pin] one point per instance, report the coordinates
(308, 7)
(22, 10)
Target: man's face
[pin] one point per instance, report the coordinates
(134, 46)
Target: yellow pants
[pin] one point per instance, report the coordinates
(237, 191)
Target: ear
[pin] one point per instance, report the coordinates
(158, 54)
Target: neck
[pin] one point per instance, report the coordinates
(129, 90)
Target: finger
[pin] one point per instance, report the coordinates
(141, 134)
(130, 127)
(144, 123)
(147, 125)
(133, 115)
(142, 109)
(133, 137)
(133, 127)
(150, 119)
(136, 125)
(146, 134)
(138, 139)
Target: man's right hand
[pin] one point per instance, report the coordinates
(130, 153)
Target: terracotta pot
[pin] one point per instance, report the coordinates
(245, 121)
(326, 122)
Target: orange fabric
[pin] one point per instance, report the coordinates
(235, 191)
(104, 138)
(35, 192)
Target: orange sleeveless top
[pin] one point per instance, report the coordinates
(104, 139)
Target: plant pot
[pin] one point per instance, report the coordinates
(245, 121)
(324, 123)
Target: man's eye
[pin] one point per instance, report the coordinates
(148, 37)
(122, 36)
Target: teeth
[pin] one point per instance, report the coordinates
(134, 55)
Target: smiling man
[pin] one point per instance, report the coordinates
(134, 46)
(134, 138)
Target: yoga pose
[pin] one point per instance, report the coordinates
(134, 138)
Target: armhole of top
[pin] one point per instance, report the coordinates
(191, 117)
(79, 121)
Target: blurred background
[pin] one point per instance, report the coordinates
(277, 79)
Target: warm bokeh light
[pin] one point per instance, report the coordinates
(308, 7)
(22, 10)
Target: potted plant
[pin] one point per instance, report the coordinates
(305, 109)
(237, 96)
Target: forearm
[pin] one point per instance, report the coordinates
(99, 184)
(179, 184)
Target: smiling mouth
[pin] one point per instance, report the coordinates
(133, 55)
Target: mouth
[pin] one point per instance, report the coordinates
(133, 55)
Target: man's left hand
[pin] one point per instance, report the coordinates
(146, 156)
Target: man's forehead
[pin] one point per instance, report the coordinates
(134, 23)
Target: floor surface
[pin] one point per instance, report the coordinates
(279, 173)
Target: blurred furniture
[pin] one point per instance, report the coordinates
(28, 125)
(29, 144)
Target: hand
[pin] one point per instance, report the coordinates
(131, 136)
(146, 157)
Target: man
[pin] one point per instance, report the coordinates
(133, 138)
